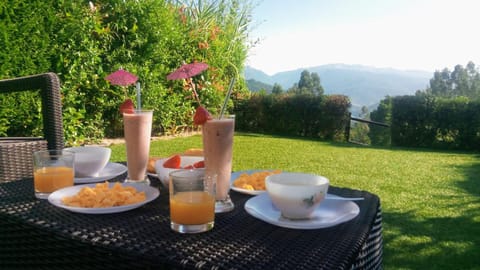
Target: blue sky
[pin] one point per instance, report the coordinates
(405, 34)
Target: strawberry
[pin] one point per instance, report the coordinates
(199, 164)
(173, 162)
(201, 116)
(127, 106)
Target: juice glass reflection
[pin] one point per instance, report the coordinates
(137, 127)
(218, 151)
(52, 170)
(192, 201)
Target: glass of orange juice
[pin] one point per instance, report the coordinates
(192, 201)
(52, 170)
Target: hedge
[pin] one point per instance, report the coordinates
(431, 122)
(323, 117)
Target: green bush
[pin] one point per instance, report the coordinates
(412, 121)
(433, 122)
(26, 47)
(446, 115)
(311, 116)
(383, 114)
(457, 123)
(83, 43)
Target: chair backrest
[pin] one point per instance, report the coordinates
(16, 153)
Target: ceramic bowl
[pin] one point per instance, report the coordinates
(296, 195)
(163, 173)
(90, 160)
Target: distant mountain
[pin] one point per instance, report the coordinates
(366, 86)
(256, 86)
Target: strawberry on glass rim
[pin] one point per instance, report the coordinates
(127, 106)
(201, 116)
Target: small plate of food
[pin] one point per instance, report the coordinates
(251, 182)
(103, 198)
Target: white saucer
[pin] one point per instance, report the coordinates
(56, 199)
(110, 171)
(331, 212)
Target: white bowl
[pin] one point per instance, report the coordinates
(90, 160)
(296, 195)
(163, 173)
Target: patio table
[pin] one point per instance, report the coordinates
(35, 234)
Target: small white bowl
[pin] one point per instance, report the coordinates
(163, 173)
(90, 160)
(296, 195)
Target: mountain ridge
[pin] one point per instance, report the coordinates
(366, 86)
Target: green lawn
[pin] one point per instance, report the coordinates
(430, 199)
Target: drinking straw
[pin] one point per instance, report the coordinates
(226, 98)
(139, 102)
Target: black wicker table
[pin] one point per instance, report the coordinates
(37, 235)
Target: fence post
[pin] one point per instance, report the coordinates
(347, 128)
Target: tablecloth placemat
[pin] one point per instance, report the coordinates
(36, 234)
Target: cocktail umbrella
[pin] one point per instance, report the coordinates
(124, 78)
(187, 71)
(121, 77)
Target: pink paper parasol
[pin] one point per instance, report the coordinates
(187, 71)
(121, 77)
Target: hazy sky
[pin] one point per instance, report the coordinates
(406, 34)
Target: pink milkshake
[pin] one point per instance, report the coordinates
(217, 149)
(137, 127)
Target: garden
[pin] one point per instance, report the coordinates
(430, 196)
(430, 199)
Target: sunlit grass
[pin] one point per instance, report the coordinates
(430, 199)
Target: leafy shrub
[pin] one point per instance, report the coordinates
(383, 114)
(294, 115)
(457, 123)
(432, 122)
(83, 43)
(26, 47)
(411, 121)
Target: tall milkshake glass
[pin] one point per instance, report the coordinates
(137, 127)
(218, 151)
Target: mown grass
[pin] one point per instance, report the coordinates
(430, 199)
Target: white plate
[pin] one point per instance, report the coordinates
(56, 199)
(110, 171)
(331, 212)
(235, 175)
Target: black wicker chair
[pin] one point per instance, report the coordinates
(16, 153)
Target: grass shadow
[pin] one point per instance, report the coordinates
(449, 241)
(471, 181)
(432, 243)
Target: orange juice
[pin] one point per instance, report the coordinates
(192, 207)
(49, 179)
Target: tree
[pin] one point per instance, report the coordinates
(309, 83)
(317, 87)
(460, 82)
(440, 84)
(381, 135)
(277, 89)
(359, 131)
(305, 81)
